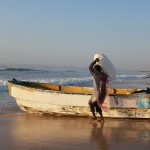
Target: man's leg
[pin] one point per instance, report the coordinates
(94, 116)
(99, 110)
(101, 115)
(91, 105)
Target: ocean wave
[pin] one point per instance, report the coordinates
(2, 68)
(3, 85)
(60, 81)
(87, 81)
(51, 75)
(127, 76)
(18, 69)
(84, 81)
(72, 81)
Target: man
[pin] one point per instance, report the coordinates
(100, 89)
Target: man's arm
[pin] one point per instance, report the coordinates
(91, 67)
(92, 70)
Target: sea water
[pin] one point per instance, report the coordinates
(62, 76)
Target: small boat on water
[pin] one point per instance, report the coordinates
(44, 98)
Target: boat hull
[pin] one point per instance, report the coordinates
(84, 111)
(41, 101)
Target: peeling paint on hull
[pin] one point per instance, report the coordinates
(34, 100)
(84, 111)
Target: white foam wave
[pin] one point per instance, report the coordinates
(2, 68)
(72, 81)
(135, 76)
(3, 85)
(66, 81)
(60, 81)
(87, 81)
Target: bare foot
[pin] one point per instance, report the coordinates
(93, 119)
(100, 119)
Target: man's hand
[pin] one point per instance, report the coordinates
(97, 59)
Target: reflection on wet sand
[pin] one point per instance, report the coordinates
(65, 133)
(98, 137)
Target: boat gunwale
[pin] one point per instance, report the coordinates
(64, 92)
(47, 90)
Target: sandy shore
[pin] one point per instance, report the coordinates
(30, 132)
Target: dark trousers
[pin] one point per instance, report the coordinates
(94, 106)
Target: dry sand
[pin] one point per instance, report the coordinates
(29, 132)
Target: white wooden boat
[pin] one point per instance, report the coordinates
(44, 98)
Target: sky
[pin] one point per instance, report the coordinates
(70, 32)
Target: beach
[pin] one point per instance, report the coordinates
(26, 131)
(19, 130)
(57, 56)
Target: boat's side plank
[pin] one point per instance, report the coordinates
(121, 91)
(71, 89)
(74, 89)
(128, 113)
(31, 107)
(45, 86)
(129, 101)
(89, 90)
(53, 97)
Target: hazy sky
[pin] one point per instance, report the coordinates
(69, 32)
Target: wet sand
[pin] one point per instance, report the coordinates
(30, 132)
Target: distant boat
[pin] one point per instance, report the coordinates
(44, 98)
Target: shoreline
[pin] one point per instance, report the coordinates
(28, 131)
(71, 117)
